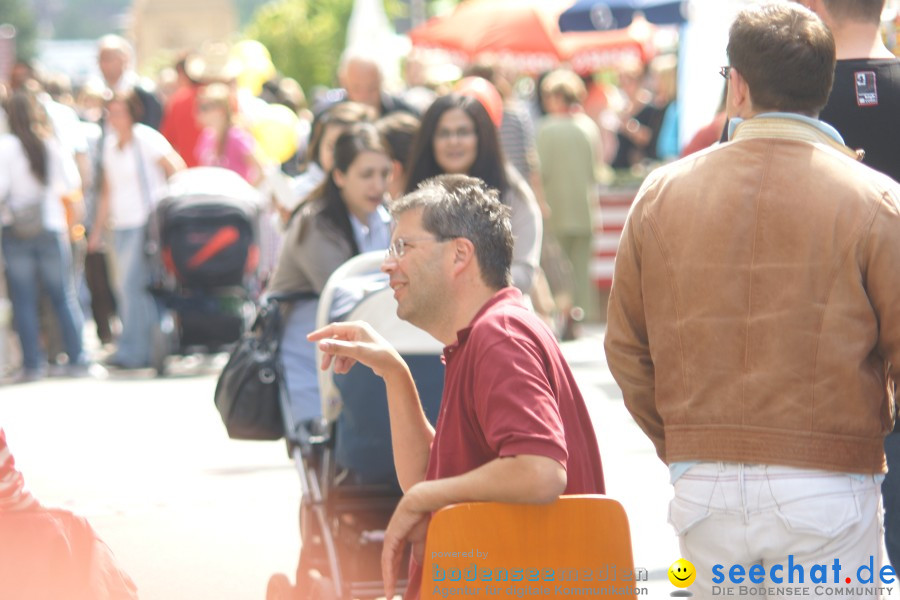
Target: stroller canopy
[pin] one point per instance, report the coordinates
(203, 186)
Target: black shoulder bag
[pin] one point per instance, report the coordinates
(249, 387)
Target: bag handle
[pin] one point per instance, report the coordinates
(268, 319)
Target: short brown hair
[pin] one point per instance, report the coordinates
(398, 129)
(785, 54)
(565, 84)
(343, 114)
(865, 11)
(132, 102)
(461, 206)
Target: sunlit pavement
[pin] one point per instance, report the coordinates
(191, 514)
(634, 475)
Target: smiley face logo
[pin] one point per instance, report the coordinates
(682, 573)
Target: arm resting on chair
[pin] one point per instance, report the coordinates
(526, 479)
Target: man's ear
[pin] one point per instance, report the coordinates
(463, 254)
(739, 95)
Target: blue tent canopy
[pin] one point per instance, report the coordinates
(602, 15)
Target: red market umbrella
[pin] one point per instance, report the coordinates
(525, 32)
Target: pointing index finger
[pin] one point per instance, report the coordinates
(328, 331)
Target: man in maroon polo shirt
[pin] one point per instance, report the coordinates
(513, 426)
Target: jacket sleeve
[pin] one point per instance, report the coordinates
(882, 258)
(626, 343)
(310, 253)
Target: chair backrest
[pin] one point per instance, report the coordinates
(577, 542)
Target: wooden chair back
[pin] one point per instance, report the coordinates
(490, 548)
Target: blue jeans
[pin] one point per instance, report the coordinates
(47, 259)
(136, 306)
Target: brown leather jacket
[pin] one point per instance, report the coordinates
(756, 300)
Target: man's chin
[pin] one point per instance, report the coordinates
(409, 315)
(403, 313)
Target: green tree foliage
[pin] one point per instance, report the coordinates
(305, 37)
(18, 13)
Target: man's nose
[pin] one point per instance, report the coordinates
(389, 263)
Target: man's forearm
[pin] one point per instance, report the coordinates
(411, 433)
(523, 479)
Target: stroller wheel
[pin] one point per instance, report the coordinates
(161, 342)
(280, 588)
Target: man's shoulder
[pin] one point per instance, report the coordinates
(559, 125)
(688, 167)
(851, 65)
(508, 322)
(863, 83)
(391, 103)
(842, 169)
(830, 164)
(146, 89)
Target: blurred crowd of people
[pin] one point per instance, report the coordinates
(81, 173)
(112, 144)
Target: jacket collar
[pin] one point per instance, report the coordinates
(792, 127)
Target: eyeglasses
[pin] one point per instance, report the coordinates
(461, 133)
(398, 248)
(725, 72)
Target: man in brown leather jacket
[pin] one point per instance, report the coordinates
(755, 306)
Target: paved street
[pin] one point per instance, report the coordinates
(192, 514)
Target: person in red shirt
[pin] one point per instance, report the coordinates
(513, 426)
(179, 123)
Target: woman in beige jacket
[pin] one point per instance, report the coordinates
(340, 219)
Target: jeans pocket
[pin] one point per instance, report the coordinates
(684, 515)
(826, 516)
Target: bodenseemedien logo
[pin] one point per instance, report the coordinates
(682, 574)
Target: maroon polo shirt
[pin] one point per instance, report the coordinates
(509, 391)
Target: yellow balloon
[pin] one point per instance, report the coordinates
(252, 81)
(250, 50)
(275, 131)
(257, 65)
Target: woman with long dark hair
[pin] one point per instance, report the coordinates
(457, 136)
(340, 219)
(35, 175)
(320, 153)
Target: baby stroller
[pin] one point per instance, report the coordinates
(346, 469)
(206, 258)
